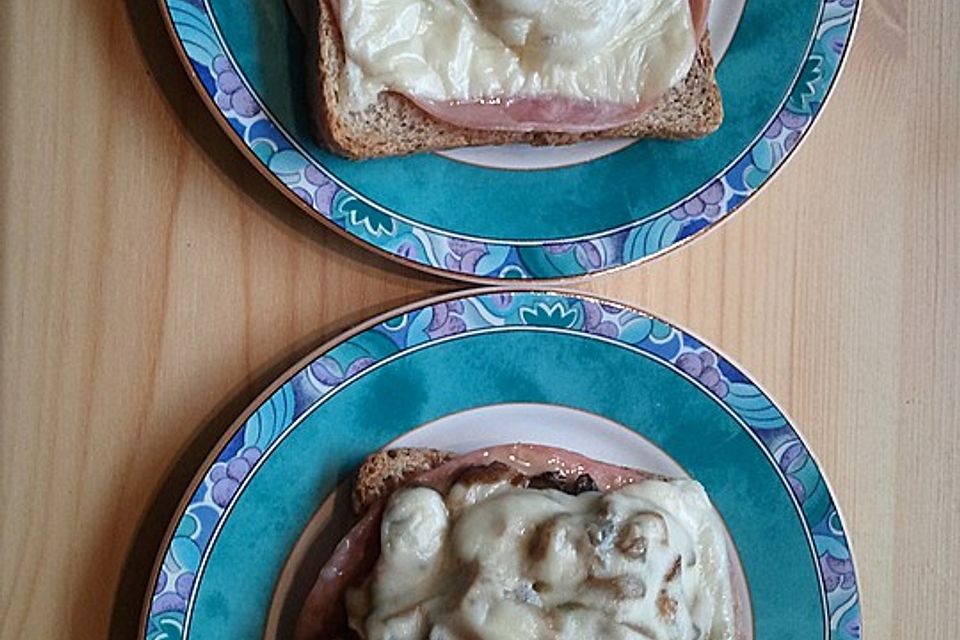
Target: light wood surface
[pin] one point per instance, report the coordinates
(152, 283)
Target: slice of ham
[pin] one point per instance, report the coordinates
(546, 113)
(700, 9)
(323, 614)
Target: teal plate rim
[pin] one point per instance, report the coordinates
(249, 442)
(284, 161)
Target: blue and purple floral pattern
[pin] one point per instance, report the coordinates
(193, 536)
(459, 256)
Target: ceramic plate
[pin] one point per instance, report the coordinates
(518, 212)
(474, 369)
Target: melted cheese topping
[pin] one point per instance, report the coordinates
(617, 51)
(497, 562)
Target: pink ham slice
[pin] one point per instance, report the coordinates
(550, 113)
(700, 10)
(553, 113)
(323, 612)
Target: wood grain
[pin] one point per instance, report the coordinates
(152, 283)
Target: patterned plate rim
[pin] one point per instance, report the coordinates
(200, 46)
(545, 306)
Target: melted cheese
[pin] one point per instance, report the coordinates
(615, 51)
(498, 562)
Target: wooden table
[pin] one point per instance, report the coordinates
(153, 283)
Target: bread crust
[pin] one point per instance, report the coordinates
(384, 471)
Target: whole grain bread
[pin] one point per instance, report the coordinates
(382, 472)
(396, 126)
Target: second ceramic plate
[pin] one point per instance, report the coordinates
(475, 369)
(518, 212)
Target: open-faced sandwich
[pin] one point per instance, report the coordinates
(523, 542)
(392, 77)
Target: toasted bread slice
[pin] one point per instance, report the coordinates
(382, 472)
(396, 126)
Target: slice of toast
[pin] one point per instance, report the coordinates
(382, 472)
(396, 126)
